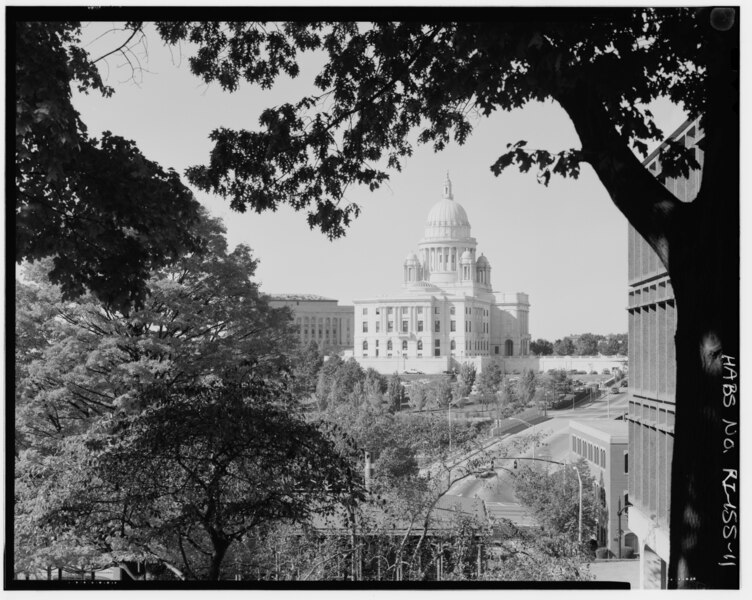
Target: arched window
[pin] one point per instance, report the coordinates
(404, 345)
(389, 345)
(509, 347)
(420, 344)
(453, 345)
(365, 344)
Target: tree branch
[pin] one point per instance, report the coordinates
(641, 198)
(119, 48)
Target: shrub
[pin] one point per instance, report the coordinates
(602, 552)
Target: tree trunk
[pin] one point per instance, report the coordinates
(704, 271)
(220, 546)
(699, 245)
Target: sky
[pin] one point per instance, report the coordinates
(565, 245)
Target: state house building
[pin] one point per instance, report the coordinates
(446, 312)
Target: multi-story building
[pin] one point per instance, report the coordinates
(319, 319)
(652, 381)
(446, 313)
(604, 445)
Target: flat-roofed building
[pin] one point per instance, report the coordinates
(604, 444)
(318, 319)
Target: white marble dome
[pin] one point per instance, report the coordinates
(447, 219)
(447, 213)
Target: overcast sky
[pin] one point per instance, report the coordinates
(564, 245)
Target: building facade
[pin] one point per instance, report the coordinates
(604, 445)
(446, 312)
(652, 381)
(319, 320)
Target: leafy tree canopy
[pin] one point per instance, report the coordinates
(104, 213)
(172, 424)
(564, 347)
(553, 498)
(541, 347)
(433, 79)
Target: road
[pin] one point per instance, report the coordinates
(553, 444)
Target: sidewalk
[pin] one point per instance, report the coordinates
(617, 570)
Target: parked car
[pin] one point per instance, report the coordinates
(614, 390)
(413, 372)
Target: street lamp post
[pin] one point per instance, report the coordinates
(579, 523)
(449, 420)
(619, 512)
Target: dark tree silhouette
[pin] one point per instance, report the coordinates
(385, 80)
(103, 212)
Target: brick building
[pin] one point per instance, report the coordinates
(652, 381)
(604, 444)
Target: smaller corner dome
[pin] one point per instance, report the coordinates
(466, 256)
(411, 258)
(483, 261)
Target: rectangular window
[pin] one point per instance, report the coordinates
(389, 310)
(378, 326)
(452, 325)
(365, 326)
(404, 326)
(437, 326)
(365, 311)
(377, 343)
(436, 310)
(626, 461)
(451, 311)
(437, 352)
(404, 310)
(420, 325)
(437, 343)
(574, 444)
(390, 325)
(420, 310)
(469, 326)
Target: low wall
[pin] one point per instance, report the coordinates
(389, 365)
(509, 364)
